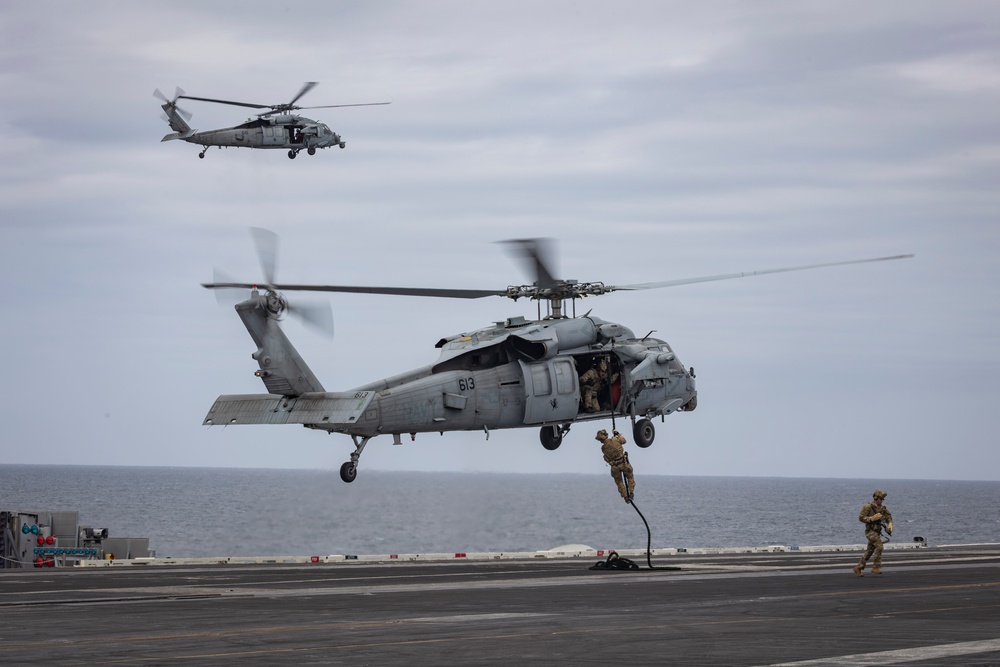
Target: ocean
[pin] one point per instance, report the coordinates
(208, 512)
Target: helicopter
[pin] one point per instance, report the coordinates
(275, 127)
(514, 373)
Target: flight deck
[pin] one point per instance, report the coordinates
(935, 605)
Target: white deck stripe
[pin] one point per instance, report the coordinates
(899, 655)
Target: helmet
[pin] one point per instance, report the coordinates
(879, 493)
(602, 434)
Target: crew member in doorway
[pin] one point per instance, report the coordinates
(616, 457)
(874, 515)
(591, 382)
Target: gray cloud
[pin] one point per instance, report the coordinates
(653, 140)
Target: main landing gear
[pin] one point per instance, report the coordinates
(349, 471)
(643, 432)
(552, 436)
(292, 152)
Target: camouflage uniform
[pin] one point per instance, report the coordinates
(590, 382)
(872, 515)
(617, 458)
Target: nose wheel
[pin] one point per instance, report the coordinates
(292, 153)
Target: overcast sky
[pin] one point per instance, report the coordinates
(652, 140)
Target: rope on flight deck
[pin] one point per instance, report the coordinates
(649, 541)
(616, 562)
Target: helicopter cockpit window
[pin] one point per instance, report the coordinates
(475, 360)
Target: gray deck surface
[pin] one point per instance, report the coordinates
(933, 606)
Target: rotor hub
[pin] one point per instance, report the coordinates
(274, 303)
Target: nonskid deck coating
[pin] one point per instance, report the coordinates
(801, 607)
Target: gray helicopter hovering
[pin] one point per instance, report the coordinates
(548, 373)
(275, 127)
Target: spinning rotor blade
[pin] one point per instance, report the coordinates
(747, 274)
(317, 315)
(185, 114)
(229, 293)
(443, 292)
(336, 106)
(235, 104)
(267, 251)
(309, 85)
(536, 255)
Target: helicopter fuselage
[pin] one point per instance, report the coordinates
(528, 373)
(516, 373)
(285, 131)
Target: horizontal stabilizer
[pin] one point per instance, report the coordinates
(177, 135)
(317, 408)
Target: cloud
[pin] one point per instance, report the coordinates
(653, 140)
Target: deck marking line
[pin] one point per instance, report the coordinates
(899, 655)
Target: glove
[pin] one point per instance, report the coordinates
(877, 517)
(889, 527)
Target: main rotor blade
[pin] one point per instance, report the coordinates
(267, 251)
(235, 104)
(309, 85)
(747, 274)
(537, 257)
(335, 106)
(444, 293)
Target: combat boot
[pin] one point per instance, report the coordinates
(877, 569)
(858, 570)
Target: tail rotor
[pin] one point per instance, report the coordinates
(317, 315)
(172, 104)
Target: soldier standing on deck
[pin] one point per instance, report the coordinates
(874, 515)
(617, 458)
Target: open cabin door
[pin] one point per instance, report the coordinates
(552, 391)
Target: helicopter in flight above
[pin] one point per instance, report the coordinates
(274, 127)
(548, 373)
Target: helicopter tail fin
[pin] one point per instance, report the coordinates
(282, 369)
(176, 122)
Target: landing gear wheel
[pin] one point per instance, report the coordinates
(311, 150)
(202, 155)
(343, 144)
(348, 472)
(291, 155)
(551, 437)
(643, 432)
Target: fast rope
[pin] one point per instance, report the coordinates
(649, 541)
(616, 562)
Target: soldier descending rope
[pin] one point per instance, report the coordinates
(616, 456)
